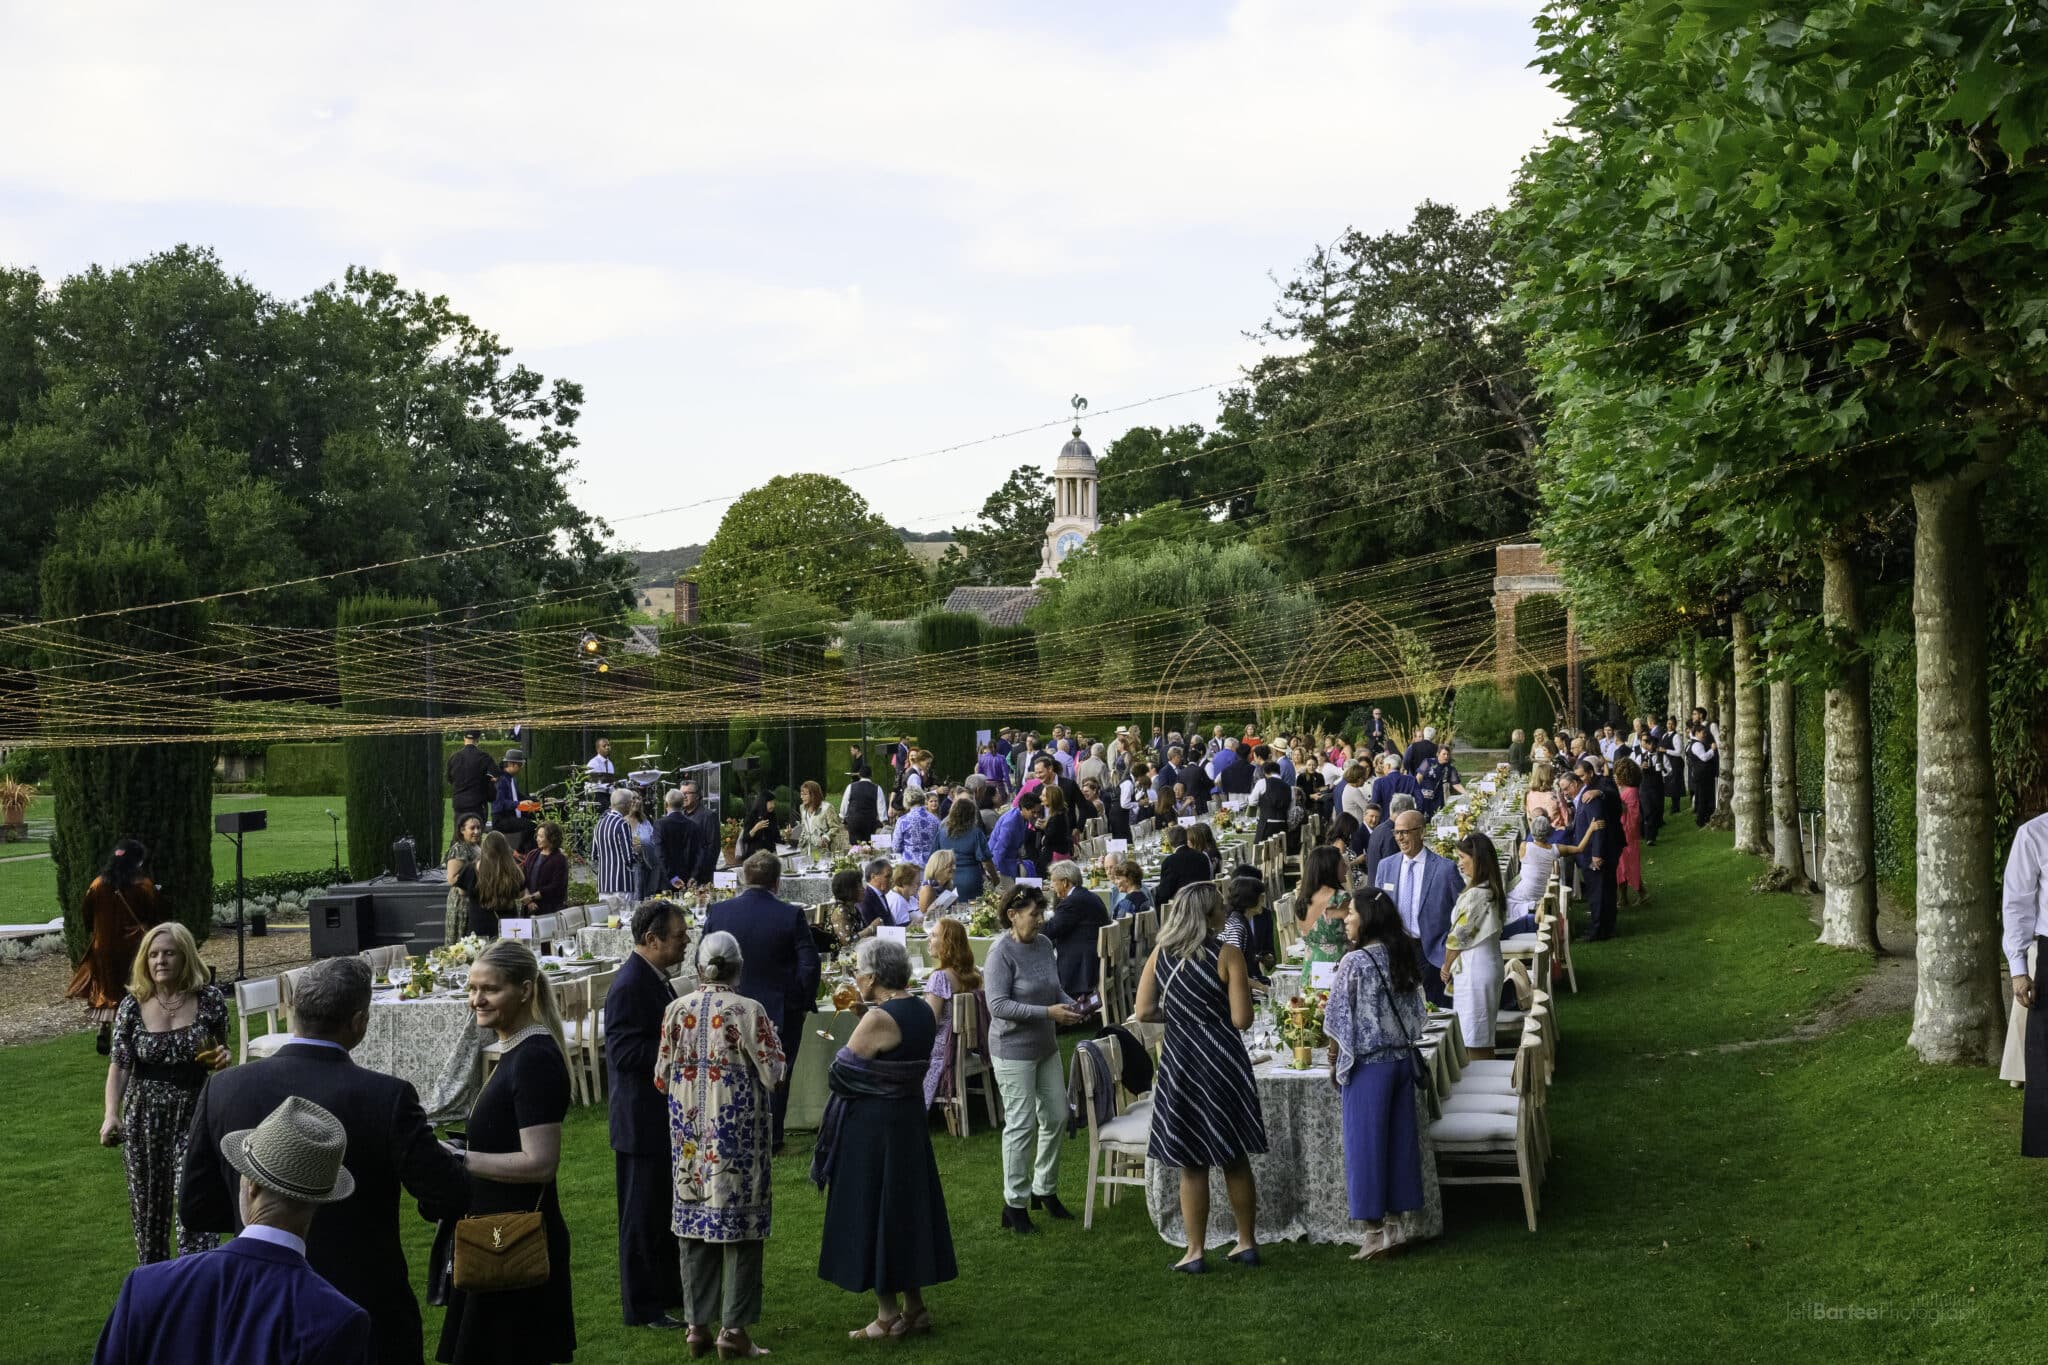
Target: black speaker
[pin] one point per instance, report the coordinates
(405, 862)
(240, 821)
(339, 924)
(745, 765)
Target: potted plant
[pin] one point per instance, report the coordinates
(1301, 1025)
(14, 799)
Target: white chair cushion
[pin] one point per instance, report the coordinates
(1132, 1129)
(267, 1044)
(1482, 1102)
(1489, 1067)
(1473, 1127)
(1483, 1085)
(1518, 944)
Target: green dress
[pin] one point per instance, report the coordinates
(1325, 942)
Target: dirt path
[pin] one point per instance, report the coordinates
(33, 1007)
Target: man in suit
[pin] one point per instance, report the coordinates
(650, 1268)
(1077, 914)
(1010, 843)
(1048, 772)
(1421, 751)
(472, 777)
(781, 971)
(680, 838)
(1595, 864)
(1380, 843)
(506, 817)
(256, 1298)
(1241, 776)
(874, 893)
(1168, 772)
(353, 1242)
(1425, 887)
(1391, 782)
(1376, 729)
(1182, 866)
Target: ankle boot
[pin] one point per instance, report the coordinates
(1017, 1220)
(1051, 1204)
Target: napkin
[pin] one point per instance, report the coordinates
(1261, 1057)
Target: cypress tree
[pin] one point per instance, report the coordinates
(393, 781)
(949, 738)
(105, 789)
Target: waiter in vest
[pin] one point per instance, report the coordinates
(860, 810)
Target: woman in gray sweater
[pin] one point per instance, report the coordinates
(1023, 983)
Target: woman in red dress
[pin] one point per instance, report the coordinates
(1628, 873)
(120, 907)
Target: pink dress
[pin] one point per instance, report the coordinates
(1630, 870)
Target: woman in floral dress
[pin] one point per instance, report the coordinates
(719, 1063)
(1319, 899)
(463, 853)
(169, 1033)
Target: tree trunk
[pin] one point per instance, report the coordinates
(1721, 720)
(1848, 860)
(1786, 851)
(1957, 1014)
(1748, 741)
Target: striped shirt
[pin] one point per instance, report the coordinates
(611, 853)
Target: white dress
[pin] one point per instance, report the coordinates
(1527, 892)
(1476, 978)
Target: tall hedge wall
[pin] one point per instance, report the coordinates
(949, 738)
(558, 685)
(392, 781)
(161, 794)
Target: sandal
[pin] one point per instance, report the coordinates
(877, 1330)
(738, 1346)
(908, 1326)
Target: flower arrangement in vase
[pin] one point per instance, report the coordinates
(1300, 1021)
(984, 920)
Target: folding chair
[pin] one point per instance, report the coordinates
(1484, 1129)
(265, 999)
(970, 1062)
(1116, 1148)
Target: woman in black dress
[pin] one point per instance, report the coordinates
(885, 1215)
(759, 831)
(515, 1147)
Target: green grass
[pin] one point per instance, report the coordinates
(299, 838)
(1701, 1204)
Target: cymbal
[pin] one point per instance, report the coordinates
(641, 758)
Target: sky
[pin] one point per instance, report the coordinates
(782, 236)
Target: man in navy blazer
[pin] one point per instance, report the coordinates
(650, 1267)
(1598, 835)
(1420, 750)
(256, 1298)
(1425, 887)
(353, 1243)
(781, 963)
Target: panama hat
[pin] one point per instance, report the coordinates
(296, 1151)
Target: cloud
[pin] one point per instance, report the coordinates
(1047, 358)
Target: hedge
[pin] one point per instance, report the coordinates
(950, 739)
(274, 884)
(304, 769)
(394, 781)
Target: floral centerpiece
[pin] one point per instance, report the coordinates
(845, 862)
(984, 920)
(1300, 1023)
(729, 837)
(420, 981)
(861, 853)
(460, 953)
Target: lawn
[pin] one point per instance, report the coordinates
(299, 838)
(1829, 1199)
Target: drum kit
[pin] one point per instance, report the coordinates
(653, 784)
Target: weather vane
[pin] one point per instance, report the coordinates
(1080, 405)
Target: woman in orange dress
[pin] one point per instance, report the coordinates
(120, 907)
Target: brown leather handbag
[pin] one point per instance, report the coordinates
(498, 1252)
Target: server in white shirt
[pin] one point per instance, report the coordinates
(2026, 921)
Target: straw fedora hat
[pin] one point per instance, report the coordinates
(296, 1151)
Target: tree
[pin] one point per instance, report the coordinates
(810, 534)
(394, 780)
(950, 640)
(1747, 739)
(1818, 216)
(1168, 523)
(107, 789)
(1183, 465)
(270, 440)
(562, 689)
(1003, 547)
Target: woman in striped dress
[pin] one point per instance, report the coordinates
(1205, 1110)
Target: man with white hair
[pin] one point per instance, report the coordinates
(611, 854)
(1420, 751)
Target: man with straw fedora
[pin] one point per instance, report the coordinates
(255, 1298)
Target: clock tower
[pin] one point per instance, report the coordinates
(1074, 515)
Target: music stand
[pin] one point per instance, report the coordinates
(234, 825)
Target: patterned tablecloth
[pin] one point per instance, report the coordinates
(433, 1042)
(614, 944)
(808, 1083)
(1300, 1178)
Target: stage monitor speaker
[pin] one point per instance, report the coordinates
(745, 765)
(340, 924)
(405, 861)
(240, 821)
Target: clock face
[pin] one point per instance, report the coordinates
(1068, 542)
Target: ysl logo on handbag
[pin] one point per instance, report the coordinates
(497, 1237)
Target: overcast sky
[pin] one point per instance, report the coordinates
(775, 236)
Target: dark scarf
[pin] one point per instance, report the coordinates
(854, 1078)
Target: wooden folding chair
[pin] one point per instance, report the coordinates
(1483, 1130)
(262, 999)
(1116, 1148)
(970, 1063)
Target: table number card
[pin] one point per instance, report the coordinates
(1322, 975)
(1117, 846)
(725, 879)
(893, 933)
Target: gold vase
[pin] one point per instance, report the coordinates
(1302, 1056)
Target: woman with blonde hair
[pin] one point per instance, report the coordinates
(1540, 748)
(514, 1152)
(497, 885)
(169, 1033)
(953, 972)
(936, 891)
(1541, 798)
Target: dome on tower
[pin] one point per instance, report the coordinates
(1075, 456)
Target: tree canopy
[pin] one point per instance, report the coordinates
(1003, 546)
(807, 534)
(267, 440)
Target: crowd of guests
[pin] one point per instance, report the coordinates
(699, 1084)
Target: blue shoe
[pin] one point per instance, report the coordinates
(1192, 1268)
(1249, 1257)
